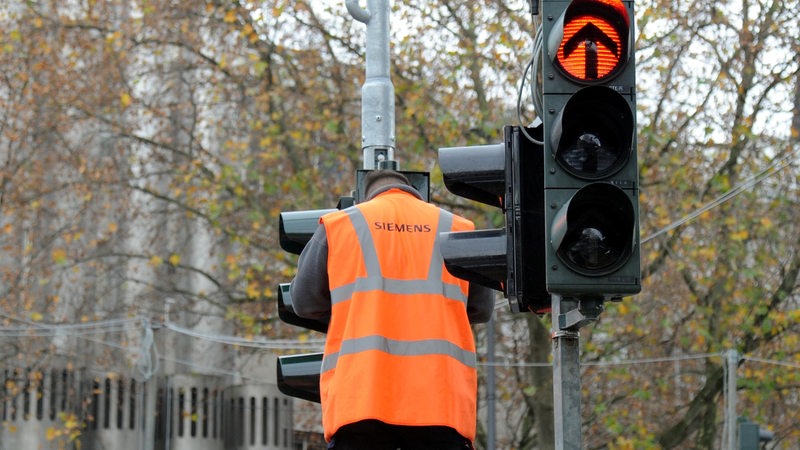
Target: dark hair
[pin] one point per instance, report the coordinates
(378, 178)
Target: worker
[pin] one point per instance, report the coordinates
(399, 367)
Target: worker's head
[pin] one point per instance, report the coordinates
(375, 180)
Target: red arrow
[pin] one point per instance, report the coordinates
(589, 36)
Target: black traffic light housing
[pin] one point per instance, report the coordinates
(298, 375)
(590, 165)
(507, 176)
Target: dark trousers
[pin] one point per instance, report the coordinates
(376, 435)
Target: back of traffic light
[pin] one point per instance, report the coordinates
(590, 164)
(507, 176)
(298, 375)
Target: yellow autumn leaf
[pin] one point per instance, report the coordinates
(59, 256)
(36, 316)
(52, 433)
(125, 99)
(252, 290)
(174, 259)
(112, 227)
(156, 261)
(230, 16)
(766, 222)
(70, 420)
(740, 235)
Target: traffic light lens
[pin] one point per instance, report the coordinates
(590, 154)
(592, 249)
(595, 235)
(593, 136)
(594, 43)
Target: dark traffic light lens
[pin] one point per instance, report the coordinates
(593, 249)
(593, 135)
(590, 153)
(598, 238)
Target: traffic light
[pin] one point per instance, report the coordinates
(507, 176)
(298, 375)
(590, 167)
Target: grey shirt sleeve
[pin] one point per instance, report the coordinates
(480, 303)
(310, 291)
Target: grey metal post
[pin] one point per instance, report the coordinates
(377, 92)
(730, 402)
(568, 315)
(566, 379)
(149, 413)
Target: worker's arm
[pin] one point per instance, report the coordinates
(310, 291)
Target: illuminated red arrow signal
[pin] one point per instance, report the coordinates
(594, 41)
(590, 38)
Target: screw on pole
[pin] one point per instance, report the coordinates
(377, 92)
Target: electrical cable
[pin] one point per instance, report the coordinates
(773, 362)
(532, 69)
(610, 363)
(147, 362)
(775, 167)
(273, 344)
(39, 329)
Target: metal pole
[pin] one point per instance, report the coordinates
(377, 93)
(149, 430)
(566, 377)
(730, 403)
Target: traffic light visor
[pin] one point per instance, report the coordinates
(593, 135)
(593, 233)
(592, 43)
(475, 172)
(297, 227)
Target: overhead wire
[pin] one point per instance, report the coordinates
(43, 329)
(773, 168)
(272, 344)
(149, 356)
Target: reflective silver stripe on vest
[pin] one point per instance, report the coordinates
(374, 279)
(401, 348)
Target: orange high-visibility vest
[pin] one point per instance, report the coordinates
(399, 347)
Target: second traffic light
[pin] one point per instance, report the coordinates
(506, 176)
